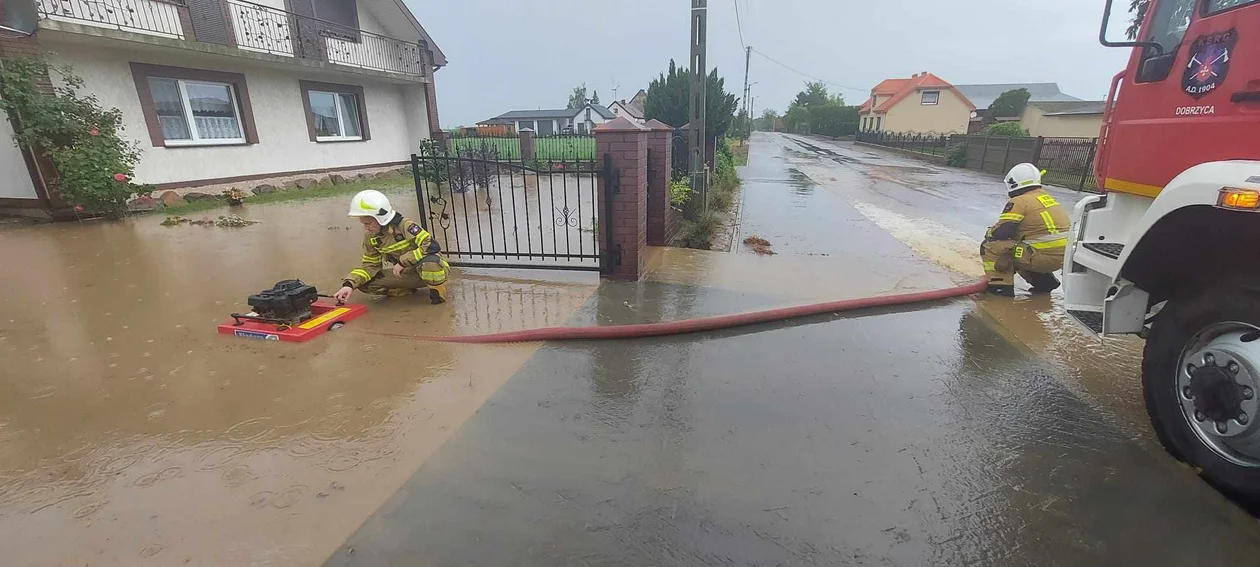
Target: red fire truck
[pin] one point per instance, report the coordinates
(1171, 250)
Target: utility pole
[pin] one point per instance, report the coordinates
(751, 102)
(744, 102)
(699, 106)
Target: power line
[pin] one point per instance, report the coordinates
(809, 76)
(739, 26)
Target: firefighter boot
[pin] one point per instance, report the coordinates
(1002, 290)
(1041, 282)
(437, 294)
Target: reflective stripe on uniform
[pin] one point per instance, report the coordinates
(1047, 201)
(357, 272)
(1011, 217)
(396, 247)
(417, 254)
(420, 238)
(1049, 220)
(1046, 238)
(367, 258)
(989, 266)
(435, 277)
(1057, 243)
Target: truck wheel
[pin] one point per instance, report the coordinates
(1201, 382)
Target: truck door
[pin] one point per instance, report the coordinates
(1192, 103)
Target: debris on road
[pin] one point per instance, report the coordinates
(229, 221)
(759, 245)
(235, 197)
(233, 221)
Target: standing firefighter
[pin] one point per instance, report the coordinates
(407, 245)
(1030, 236)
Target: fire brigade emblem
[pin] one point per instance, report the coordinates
(1209, 63)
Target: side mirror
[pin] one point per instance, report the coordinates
(1102, 35)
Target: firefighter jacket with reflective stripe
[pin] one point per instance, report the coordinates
(1033, 217)
(402, 241)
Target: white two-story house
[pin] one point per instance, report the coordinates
(228, 91)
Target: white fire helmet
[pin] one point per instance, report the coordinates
(373, 204)
(1023, 176)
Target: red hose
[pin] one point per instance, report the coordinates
(693, 325)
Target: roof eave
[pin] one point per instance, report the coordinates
(439, 58)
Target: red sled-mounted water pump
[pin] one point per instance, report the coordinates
(290, 311)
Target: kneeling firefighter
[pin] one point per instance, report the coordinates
(408, 246)
(1030, 236)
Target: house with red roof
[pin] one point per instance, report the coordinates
(921, 104)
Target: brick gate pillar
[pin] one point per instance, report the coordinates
(624, 144)
(660, 147)
(527, 145)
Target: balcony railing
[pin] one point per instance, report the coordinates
(152, 17)
(247, 26)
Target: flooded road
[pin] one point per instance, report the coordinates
(128, 427)
(965, 432)
(941, 213)
(924, 436)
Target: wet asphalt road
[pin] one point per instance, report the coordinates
(955, 433)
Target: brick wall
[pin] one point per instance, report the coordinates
(626, 144)
(659, 146)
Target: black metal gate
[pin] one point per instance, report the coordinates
(489, 212)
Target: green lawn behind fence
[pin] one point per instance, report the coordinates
(555, 149)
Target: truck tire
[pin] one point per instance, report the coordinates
(1201, 365)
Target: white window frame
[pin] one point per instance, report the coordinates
(197, 140)
(923, 100)
(341, 116)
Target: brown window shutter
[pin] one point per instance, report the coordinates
(211, 22)
(309, 44)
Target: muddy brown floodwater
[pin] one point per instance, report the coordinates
(132, 434)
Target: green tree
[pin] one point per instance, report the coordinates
(815, 94)
(595, 98)
(1138, 8)
(1009, 104)
(668, 100)
(833, 120)
(766, 122)
(577, 99)
(797, 116)
(83, 140)
(740, 128)
(1184, 10)
(1006, 129)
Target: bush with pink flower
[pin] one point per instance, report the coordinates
(83, 140)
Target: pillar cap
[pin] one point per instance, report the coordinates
(620, 124)
(658, 126)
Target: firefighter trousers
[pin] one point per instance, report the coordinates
(1003, 258)
(386, 283)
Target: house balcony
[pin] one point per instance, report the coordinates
(240, 28)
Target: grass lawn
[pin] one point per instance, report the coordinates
(322, 190)
(555, 149)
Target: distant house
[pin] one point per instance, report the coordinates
(631, 109)
(921, 104)
(546, 122)
(984, 95)
(1065, 119)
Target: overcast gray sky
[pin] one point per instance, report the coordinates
(527, 54)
